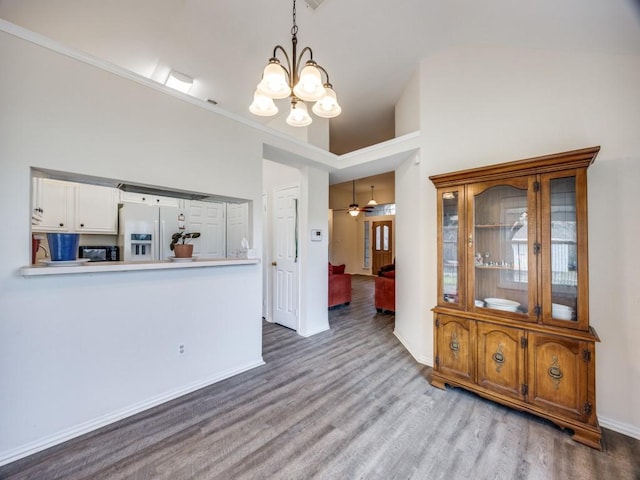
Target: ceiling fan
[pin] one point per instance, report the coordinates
(354, 209)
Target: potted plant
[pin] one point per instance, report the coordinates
(180, 244)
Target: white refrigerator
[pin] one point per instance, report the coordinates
(144, 232)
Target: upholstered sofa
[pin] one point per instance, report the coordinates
(339, 286)
(385, 289)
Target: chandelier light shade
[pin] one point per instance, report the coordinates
(274, 83)
(262, 105)
(281, 80)
(354, 212)
(299, 116)
(327, 106)
(309, 88)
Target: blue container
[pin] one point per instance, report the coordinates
(63, 246)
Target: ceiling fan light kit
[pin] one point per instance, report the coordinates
(355, 209)
(280, 81)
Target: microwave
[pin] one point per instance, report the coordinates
(99, 254)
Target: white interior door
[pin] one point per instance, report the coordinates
(285, 257)
(237, 228)
(208, 218)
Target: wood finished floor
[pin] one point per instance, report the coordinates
(349, 403)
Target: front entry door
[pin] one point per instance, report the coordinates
(285, 258)
(382, 245)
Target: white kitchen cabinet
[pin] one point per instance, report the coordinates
(75, 207)
(143, 198)
(55, 199)
(96, 209)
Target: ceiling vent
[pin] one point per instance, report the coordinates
(313, 4)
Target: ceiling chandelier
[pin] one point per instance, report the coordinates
(279, 82)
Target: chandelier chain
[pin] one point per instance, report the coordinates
(294, 28)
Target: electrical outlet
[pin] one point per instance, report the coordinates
(181, 349)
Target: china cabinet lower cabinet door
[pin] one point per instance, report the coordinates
(455, 342)
(562, 383)
(501, 360)
(558, 374)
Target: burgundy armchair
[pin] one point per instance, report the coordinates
(385, 293)
(339, 286)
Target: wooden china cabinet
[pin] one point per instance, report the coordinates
(512, 319)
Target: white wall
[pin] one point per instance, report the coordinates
(407, 111)
(314, 204)
(344, 241)
(315, 134)
(415, 259)
(485, 106)
(80, 351)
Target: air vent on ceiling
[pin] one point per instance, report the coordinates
(313, 4)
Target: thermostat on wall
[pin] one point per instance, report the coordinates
(316, 235)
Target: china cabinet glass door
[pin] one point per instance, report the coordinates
(451, 251)
(564, 250)
(502, 247)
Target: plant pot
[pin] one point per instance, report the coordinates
(183, 251)
(63, 246)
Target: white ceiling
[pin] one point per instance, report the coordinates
(369, 47)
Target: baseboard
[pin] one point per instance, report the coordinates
(86, 427)
(418, 358)
(623, 428)
(313, 332)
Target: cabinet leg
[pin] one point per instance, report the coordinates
(438, 383)
(588, 438)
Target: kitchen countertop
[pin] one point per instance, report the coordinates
(106, 267)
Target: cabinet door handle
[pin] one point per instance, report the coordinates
(82, 224)
(62, 224)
